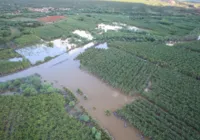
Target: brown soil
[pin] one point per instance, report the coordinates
(50, 18)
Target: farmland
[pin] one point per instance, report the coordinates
(166, 88)
(164, 78)
(137, 73)
(37, 110)
(164, 56)
(121, 71)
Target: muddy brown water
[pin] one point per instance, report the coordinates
(65, 71)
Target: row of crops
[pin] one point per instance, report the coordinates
(178, 94)
(36, 110)
(156, 123)
(173, 94)
(190, 46)
(38, 117)
(164, 56)
(120, 69)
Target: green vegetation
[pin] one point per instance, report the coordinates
(47, 58)
(8, 53)
(85, 97)
(164, 56)
(154, 70)
(156, 123)
(118, 68)
(70, 95)
(50, 120)
(19, 26)
(27, 40)
(84, 118)
(107, 113)
(7, 67)
(190, 46)
(166, 78)
(50, 44)
(178, 94)
(79, 91)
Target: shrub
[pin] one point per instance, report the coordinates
(107, 112)
(29, 91)
(47, 58)
(71, 103)
(17, 82)
(3, 87)
(94, 130)
(35, 81)
(50, 44)
(84, 118)
(98, 136)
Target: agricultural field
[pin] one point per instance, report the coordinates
(164, 56)
(150, 52)
(33, 109)
(165, 79)
(169, 90)
(27, 40)
(190, 46)
(156, 123)
(118, 68)
(7, 66)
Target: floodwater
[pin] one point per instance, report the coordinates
(84, 34)
(39, 52)
(16, 59)
(65, 71)
(102, 46)
(115, 26)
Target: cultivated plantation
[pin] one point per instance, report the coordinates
(133, 67)
(36, 110)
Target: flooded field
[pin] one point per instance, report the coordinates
(65, 71)
(15, 59)
(115, 26)
(102, 46)
(41, 51)
(84, 34)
